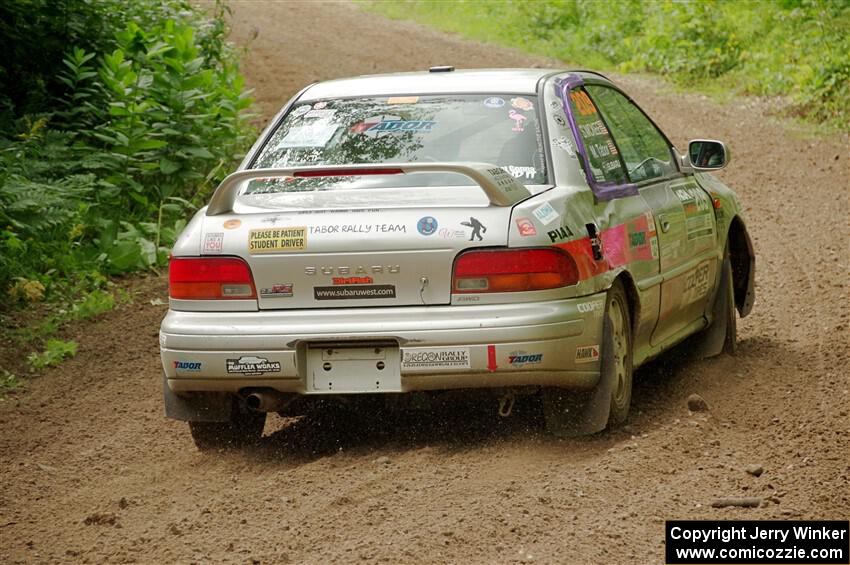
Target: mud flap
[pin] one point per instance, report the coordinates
(573, 414)
(198, 406)
(711, 341)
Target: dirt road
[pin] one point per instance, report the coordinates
(93, 472)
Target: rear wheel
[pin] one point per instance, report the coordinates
(620, 361)
(607, 405)
(243, 428)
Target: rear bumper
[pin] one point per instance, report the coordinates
(530, 343)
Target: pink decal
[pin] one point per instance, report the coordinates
(526, 227)
(615, 242)
(518, 119)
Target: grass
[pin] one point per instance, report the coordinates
(794, 50)
(54, 352)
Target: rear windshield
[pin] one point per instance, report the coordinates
(491, 128)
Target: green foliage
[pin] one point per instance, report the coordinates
(794, 48)
(124, 108)
(8, 382)
(54, 352)
(91, 304)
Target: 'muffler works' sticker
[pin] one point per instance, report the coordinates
(437, 358)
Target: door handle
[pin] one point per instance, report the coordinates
(664, 223)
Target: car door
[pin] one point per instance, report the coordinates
(624, 222)
(682, 212)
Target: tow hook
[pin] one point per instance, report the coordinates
(506, 404)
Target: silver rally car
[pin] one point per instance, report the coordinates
(525, 230)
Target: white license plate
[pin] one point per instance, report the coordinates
(342, 369)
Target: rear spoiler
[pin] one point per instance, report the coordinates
(500, 187)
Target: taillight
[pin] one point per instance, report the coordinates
(210, 278)
(513, 271)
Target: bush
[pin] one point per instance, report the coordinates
(119, 116)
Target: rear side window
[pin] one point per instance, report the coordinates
(500, 129)
(602, 154)
(644, 149)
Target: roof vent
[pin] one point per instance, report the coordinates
(441, 69)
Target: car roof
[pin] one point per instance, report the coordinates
(508, 81)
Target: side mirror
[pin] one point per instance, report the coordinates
(708, 155)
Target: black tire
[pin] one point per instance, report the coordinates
(244, 428)
(730, 312)
(619, 362)
(569, 413)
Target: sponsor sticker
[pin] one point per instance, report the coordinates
(354, 292)
(315, 134)
(248, 365)
(280, 290)
(320, 105)
(352, 280)
(521, 358)
(564, 144)
(521, 172)
(402, 100)
(587, 354)
(213, 243)
(593, 129)
(559, 234)
(187, 366)
(546, 214)
(447, 233)
(696, 283)
(582, 102)
(275, 240)
(395, 126)
(522, 104)
(491, 358)
(637, 239)
(699, 219)
(593, 306)
(477, 228)
(232, 224)
(494, 102)
(321, 114)
(518, 121)
(526, 227)
(427, 225)
(437, 358)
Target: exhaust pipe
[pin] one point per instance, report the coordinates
(268, 400)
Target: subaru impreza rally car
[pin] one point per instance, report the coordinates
(522, 230)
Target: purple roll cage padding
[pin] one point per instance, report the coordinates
(607, 190)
